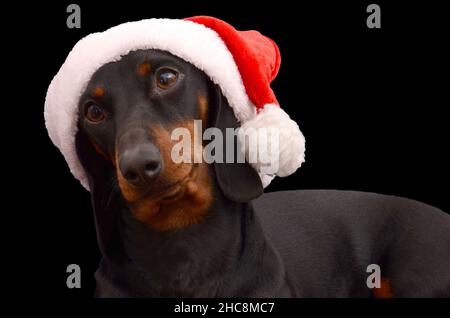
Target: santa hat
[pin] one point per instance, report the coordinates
(241, 63)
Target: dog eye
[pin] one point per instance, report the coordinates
(166, 78)
(94, 113)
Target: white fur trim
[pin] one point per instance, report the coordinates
(266, 179)
(291, 142)
(188, 40)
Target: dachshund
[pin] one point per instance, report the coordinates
(168, 229)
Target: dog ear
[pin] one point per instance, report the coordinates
(100, 175)
(238, 181)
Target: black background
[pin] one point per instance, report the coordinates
(371, 103)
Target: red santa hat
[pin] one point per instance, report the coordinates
(241, 63)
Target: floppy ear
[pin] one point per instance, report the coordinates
(100, 174)
(239, 182)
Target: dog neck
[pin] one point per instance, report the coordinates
(227, 255)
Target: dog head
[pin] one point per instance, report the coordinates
(128, 114)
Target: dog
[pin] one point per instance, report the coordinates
(170, 229)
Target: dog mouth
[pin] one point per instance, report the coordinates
(174, 194)
(174, 191)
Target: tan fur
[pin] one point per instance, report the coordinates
(203, 108)
(98, 91)
(100, 151)
(190, 183)
(144, 69)
(385, 290)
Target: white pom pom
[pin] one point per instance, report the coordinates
(273, 143)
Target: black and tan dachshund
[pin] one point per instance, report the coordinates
(207, 230)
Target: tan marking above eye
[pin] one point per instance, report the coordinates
(98, 91)
(144, 69)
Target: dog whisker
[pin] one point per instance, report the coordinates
(111, 191)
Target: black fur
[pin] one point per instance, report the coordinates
(287, 244)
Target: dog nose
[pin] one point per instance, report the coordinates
(140, 164)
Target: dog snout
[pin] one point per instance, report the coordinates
(139, 162)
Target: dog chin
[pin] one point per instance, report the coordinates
(183, 203)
